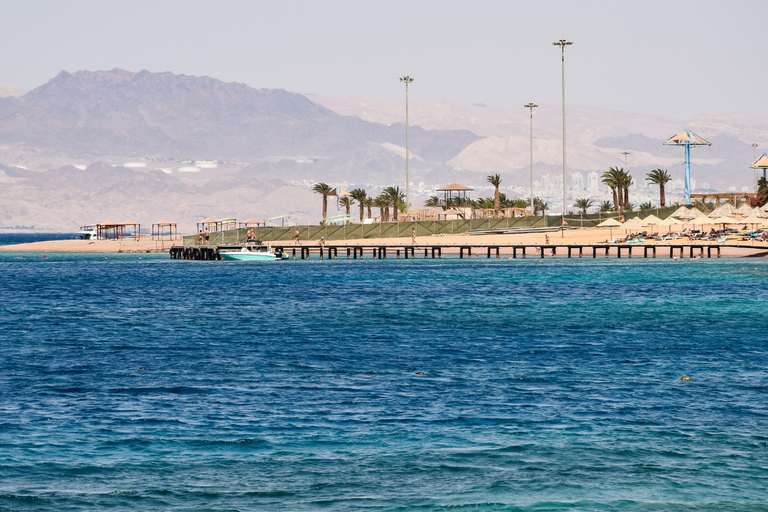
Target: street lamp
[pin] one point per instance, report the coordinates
(531, 106)
(562, 44)
(407, 80)
(754, 157)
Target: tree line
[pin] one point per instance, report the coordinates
(616, 178)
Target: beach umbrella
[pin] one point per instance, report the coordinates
(723, 211)
(724, 220)
(753, 219)
(633, 223)
(670, 221)
(609, 223)
(744, 210)
(685, 213)
(701, 220)
(651, 220)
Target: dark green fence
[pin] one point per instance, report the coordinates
(423, 228)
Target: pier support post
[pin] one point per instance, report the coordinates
(718, 251)
(514, 253)
(497, 252)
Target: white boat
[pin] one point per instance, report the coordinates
(87, 233)
(258, 252)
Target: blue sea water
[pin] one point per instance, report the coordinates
(136, 382)
(23, 238)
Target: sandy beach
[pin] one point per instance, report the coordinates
(732, 248)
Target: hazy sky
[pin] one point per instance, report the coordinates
(671, 58)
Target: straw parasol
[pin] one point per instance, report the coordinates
(744, 210)
(723, 211)
(634, 222)
(753, 219)
(724, 220)
(609, 223)
(702, 220)
(651, 220)
(670, 221)
(685, 213)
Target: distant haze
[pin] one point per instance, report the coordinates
(88, 146)
(654, 57)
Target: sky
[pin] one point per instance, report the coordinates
(675, 59)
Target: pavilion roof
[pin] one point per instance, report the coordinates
(454, 187)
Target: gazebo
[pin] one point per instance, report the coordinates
(210, 224)
(251, 222)
(110, 230)
(164, 227)
(459, 190)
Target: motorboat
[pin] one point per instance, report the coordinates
(255, 252)
(87, 233)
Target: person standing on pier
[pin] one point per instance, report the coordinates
(207, 236)
(296, 237)
(200, 238)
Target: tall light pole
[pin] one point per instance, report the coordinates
(407, 80)
(562, 44)
(531, 106)
(754, 158)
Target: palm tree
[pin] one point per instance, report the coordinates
(659, 177)
(395, 197)
(495, 180)
(583, 204)
(347, 203)
(359, 195)
(605, 207)
(625, 181)
(325, 189)
(612, 178)
(382, 203)
(646, 206)
(539, 206)
(432, 202)
(369, 203)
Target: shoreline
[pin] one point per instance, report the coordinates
(586, 236)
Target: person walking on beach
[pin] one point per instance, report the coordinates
(413, 236)
(296, 237)
(207, 236)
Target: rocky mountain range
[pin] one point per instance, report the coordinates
(118, 145)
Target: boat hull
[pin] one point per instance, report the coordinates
(245, 256)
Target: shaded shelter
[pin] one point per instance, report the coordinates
(455, 194)
(163, 228)
(251, 222)
(210, 224)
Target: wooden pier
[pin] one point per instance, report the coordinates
(334, 251)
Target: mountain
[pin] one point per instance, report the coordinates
(89, 146)
(117, 112)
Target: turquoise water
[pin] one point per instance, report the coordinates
(136, 382)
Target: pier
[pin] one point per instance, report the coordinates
(468, 251)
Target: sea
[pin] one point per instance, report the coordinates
(136, 382)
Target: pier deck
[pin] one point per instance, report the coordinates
(355, 251)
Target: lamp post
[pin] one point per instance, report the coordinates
(531, 106)
(407, 80)
(562, 44)
(754, 157)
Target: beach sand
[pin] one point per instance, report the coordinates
(568, 237)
